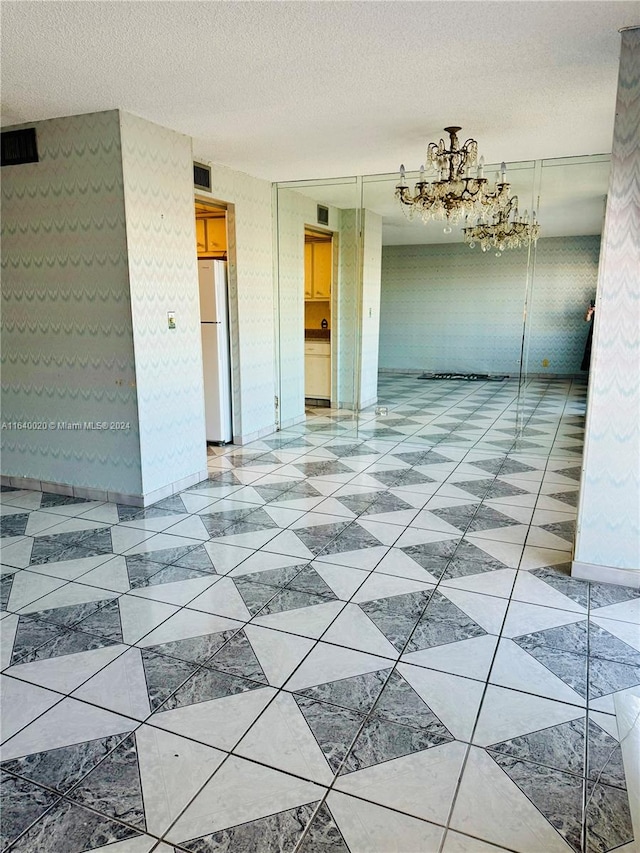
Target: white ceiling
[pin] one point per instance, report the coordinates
(289, 90)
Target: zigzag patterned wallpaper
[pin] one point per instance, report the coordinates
(564, 281)
(608, 533)
(158, 193)
(67, 347)
(447, 308)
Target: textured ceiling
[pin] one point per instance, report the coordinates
(288, 90)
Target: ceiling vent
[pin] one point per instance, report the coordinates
(323, 215)
(19, 146)
(202, 177)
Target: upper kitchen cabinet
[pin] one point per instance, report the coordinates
(318, 269)
(211, 237)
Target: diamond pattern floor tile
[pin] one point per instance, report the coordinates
(314, 628)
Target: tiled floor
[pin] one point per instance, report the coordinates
(344, 640)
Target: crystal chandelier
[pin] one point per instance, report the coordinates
(507, 230)
(453, 193)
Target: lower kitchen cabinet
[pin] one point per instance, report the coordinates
(317, 369)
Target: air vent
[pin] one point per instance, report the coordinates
(323, 215)
(202, 176)
(19, 146)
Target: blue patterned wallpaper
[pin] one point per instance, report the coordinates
(608, 532)
(67, 348)
(447, 308)
(564, 281)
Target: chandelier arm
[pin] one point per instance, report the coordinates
(454, 193)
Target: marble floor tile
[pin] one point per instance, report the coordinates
(22, 703)
(402, 783)
(63, 665)
(65, 723)
(486, 793)
(23, 804)
(366, 826)
(357, 634)
(72, 827)
(244, 802)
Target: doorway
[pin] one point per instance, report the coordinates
(211, 230)
(318, 289)
(211, 250)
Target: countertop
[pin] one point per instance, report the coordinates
(317, 334)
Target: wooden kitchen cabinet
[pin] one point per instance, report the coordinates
(308, 270)
(317, 369)
(216, 236)
(211, 237)
(201, 236)
(318, 271)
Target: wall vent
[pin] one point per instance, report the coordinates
(323, 215)
(19, 146)
(202, 176)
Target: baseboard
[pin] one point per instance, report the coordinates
(605, 574)
(299, 419)
(370, 402)
(91, 494)
(254, 436)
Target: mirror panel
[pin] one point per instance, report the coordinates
(564, 266)
(411, 298)
(447, 310)
(317, 253)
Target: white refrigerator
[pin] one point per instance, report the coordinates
(216, 360)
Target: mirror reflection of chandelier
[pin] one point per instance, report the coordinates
(453, 193)
(506, 230)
